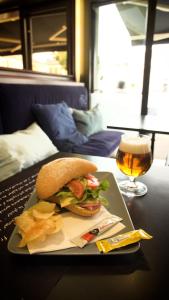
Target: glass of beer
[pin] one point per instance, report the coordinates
(134, 158)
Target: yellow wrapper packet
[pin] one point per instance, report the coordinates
(122, 240)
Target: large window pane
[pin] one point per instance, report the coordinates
(158, 101)
(120, 56)
(10, 42)
(50, 43)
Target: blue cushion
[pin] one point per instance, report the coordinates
(89, 121)
(102, 143)
(57, 121)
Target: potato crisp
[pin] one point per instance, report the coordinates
(39, 221)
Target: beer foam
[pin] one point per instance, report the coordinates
(135, 145)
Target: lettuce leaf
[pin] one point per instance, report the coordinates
(66, 197)
(95, 193)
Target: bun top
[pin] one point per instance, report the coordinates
(54, 175)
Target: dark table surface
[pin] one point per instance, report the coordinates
(140, 275)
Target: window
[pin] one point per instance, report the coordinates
(119, 55)
(49, 43)
(138, 80)
(10, 41)
(158, 99)
(39, 38)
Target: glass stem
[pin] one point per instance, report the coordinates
(132, 181)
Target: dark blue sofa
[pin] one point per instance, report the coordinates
(15, 111)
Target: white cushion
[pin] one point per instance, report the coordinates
(22, 149)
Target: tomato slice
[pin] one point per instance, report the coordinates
(92, 181)
(89, 176)
(76, 187)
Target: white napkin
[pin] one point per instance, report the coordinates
(73, 226)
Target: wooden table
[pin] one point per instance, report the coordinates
(142, 275)
(143, 124)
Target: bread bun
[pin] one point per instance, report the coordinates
(54, 175)
(81, 211)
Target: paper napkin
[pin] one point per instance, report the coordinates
(73, 225)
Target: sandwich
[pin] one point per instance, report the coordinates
(71, 184)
